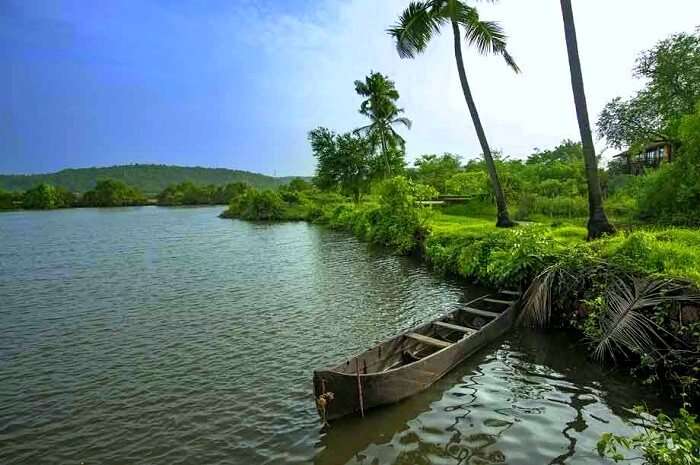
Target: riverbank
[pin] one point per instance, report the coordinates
(641, 280)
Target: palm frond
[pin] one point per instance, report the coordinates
(415, 28)
(537, 301)
(364, 130)
(487, 37)
(623, 327)
(403, 120)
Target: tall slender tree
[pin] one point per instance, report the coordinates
(420, 22)
(598, 223)
(380, 107)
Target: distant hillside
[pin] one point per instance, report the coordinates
(151, 179)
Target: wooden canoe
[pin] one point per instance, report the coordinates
(411, 362)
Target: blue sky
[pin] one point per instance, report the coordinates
(238, 84)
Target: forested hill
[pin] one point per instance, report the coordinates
(150, 179)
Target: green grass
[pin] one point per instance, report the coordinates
(647, 249)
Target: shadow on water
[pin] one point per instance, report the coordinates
(532, 397)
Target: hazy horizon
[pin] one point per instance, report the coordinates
(238, 85)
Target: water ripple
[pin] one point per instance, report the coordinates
(169, 336)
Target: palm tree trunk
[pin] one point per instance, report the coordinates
(386, 158)
(503, 220)
(598, 223)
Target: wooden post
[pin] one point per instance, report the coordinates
(359, 387)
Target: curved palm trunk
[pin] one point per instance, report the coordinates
(503, 220)
(598, 223)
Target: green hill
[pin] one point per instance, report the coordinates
(150, 179)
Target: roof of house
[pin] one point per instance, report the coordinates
(649, 146)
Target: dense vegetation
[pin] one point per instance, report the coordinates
(107, 193)
(149, 179)
(632, 295)
(187, 193)
(115, 193)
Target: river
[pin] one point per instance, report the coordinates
(170, 336)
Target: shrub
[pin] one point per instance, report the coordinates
(400, 222)
(665, 441)
(257, 205)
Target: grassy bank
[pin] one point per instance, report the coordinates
(630, 295)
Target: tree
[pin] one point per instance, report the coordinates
(435, 170)
(113, 193)
(343, 161)
(598, 223)
(7, 200)
(380, 107)
(672, 73)
(420, 22)
(41, 197)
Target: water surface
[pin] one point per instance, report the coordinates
(170, 336)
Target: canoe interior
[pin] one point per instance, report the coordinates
(402, 350)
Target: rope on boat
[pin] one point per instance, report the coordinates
(359, 388)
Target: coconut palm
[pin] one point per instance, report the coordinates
(380, 107)
(420, 22)
(598, 223)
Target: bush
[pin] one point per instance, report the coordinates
(113, 193)
(400, 222)
(665, 441)
(257, 205)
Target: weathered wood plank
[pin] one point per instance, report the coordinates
(499, 301)
(454, 327)
(428, 340)
(476, 311)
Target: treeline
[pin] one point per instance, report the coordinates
(115, 193)
(149, 179)
(107, 193)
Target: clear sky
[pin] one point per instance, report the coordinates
(239, 83)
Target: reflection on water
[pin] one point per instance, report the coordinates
(532, 398)
(169, 336)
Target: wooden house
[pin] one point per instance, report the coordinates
(652, 156)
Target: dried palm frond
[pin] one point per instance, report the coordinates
(537, 307)
(623, 328)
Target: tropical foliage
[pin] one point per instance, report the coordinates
(420, 22)
(344, 161)
(671, 74)
(664, 440)
(381, 109)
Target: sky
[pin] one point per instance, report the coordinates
(239, 83)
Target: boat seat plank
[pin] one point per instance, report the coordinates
(509, 292)
(476, 311)
(428, 340)
(499, 301)
(454, 327)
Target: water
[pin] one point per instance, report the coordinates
(170, 336)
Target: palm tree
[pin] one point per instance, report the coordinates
(380, 107)
(422, 21)
(598, 223)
